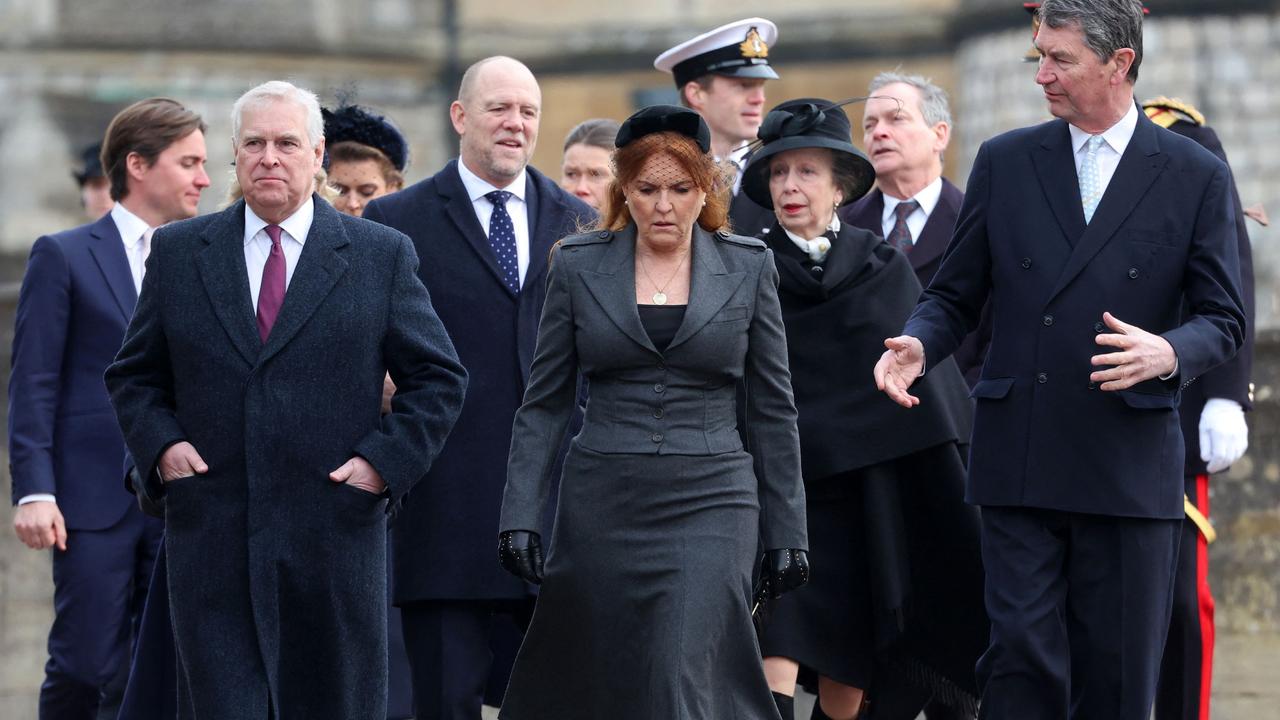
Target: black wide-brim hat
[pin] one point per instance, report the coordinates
(807, 123)
(665, 118)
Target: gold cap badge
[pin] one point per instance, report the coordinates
(754, 46)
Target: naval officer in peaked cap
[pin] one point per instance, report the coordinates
(721, 75)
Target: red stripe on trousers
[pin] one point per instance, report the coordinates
(1205, 600)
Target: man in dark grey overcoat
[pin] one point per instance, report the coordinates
(248, 390)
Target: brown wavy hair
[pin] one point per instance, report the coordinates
(708, 176)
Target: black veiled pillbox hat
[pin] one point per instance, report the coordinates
(806, 123)
(352, 123)
(665, 118)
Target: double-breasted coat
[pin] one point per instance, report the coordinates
(277, 574)
(444, 537)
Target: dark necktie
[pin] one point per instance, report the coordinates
(900, 237)
(271, 294)
(502, 238)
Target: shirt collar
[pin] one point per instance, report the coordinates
(927, 197)
(296, 225)
(130, 226)
(834, 228)
(477, 188)
(1117, 136)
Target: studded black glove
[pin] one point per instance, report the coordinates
(520, 552)
(782, 571)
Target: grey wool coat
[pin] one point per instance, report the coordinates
(641, 400)
(277, 574)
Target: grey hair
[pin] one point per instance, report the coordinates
(934, 107)
(1107, 25)
(275, 91)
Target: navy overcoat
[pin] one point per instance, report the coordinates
(277, 575)
(446, 536)
(1044, 435)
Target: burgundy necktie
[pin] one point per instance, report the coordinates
(271, 294)
(900, 236)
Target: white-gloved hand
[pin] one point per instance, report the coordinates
(1224, 435)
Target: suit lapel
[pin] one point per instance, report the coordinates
(1056, 169)
(108, 251)
(867, 213)
(546, 210)
(461, 211)
(710, 286)
(319, 268)
(613, 285)
(937, 231)
(1139, 167)
(226, 280)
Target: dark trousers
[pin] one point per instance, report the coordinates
(99, 587)
(1079, 608)
(450, 656)
(1186, 672)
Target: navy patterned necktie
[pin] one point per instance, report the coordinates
(502, 238)
(900, 236)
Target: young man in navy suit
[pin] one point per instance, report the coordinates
(67, 454)
(1086, 235)
(906, 127)
(483, 227)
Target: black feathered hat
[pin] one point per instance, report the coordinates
(352, 123)
(665, 118)
(807, 123)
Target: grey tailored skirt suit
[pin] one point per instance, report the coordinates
(645, 607)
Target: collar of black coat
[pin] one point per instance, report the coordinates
(851, 254)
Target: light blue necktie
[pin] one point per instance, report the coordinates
(1090, 183)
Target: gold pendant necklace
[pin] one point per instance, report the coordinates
(660, 297)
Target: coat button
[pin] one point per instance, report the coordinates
(1093, 385)
(656, 437)
(1099, 327)
(657, 412)
(816, 270)
(659, 388)
(1026, 263)
(1042, 378)
(603, 234)
(1048, 320)
(1133, 273)
(662, 365)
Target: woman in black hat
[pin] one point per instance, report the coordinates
(645, 605)
(897, 592)
(367, 156)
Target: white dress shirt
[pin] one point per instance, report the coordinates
(257, 245)
(739, 159)
(1115, 139)
(928, 199)
(516, 208)
(136, 236)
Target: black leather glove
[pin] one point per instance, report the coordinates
(520, 553)
(782, 571)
